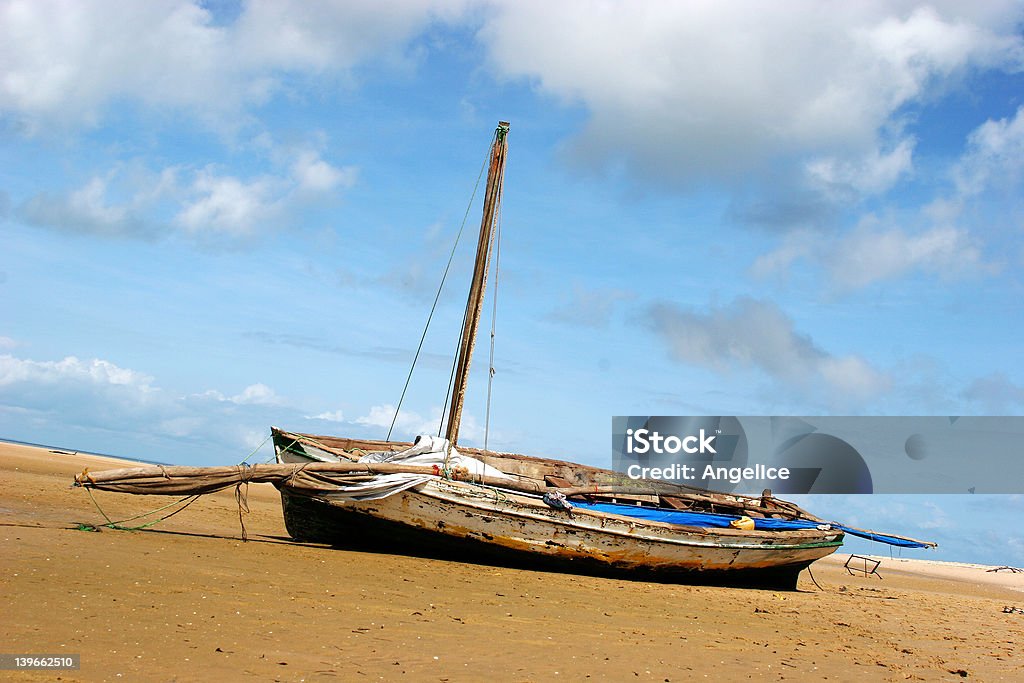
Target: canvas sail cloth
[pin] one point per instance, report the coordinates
(429, 458)
(427, 451)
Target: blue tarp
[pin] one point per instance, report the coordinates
(708, 519)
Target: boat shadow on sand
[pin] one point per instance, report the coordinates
(480, 554)
(330, 526)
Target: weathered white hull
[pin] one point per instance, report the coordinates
(482, 520)
(447, 508)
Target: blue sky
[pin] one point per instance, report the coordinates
(219, 216)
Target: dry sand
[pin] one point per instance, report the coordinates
(189, 600)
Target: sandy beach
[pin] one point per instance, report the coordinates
(188, 600)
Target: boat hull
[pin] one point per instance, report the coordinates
(435, 523)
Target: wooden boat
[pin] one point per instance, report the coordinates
(496, 520)
(509, 520)
(489, 506)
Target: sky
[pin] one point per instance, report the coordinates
(218, 216)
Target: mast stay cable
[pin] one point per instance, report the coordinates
(494, 309)
(437, 296)
(458, 343)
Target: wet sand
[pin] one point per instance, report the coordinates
(189, 601)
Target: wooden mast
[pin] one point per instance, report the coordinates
(474, 304)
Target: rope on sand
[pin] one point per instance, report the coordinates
(241, 499)
(111, 524)
(811, 574)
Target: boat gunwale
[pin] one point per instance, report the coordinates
(639, 523)
(343, 446)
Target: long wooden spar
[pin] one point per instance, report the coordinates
(474, 304)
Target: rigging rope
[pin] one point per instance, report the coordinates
(451, 376)
(240, 498)
(255, 450)
(111, 524)
(462, 327)
(811, 574)
(437, 296)
(494, 307)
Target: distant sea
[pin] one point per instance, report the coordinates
(76, 450)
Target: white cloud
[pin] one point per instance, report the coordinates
(996, 393)
(591, 308)
(796, 246)
(873, 173)
(89, 209)
(227, 205)
(868, 255)
(6, 343)
(680, 91)
(335, 35)
(851, 374)
(180, 427)
(994, 157)
(254, 394)
(1015, 549)
(65, 61)
(257, 394)
(674, 90)
(313, 174)
(676, 93)
(120, 410)
(161, 52)
(935, 517)
(875, 252)
(92, 372)
(952, 230)
(100, 402)
(329, 416)
(205, 204)
(756, 334)
(75, 391)
(410, 424)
